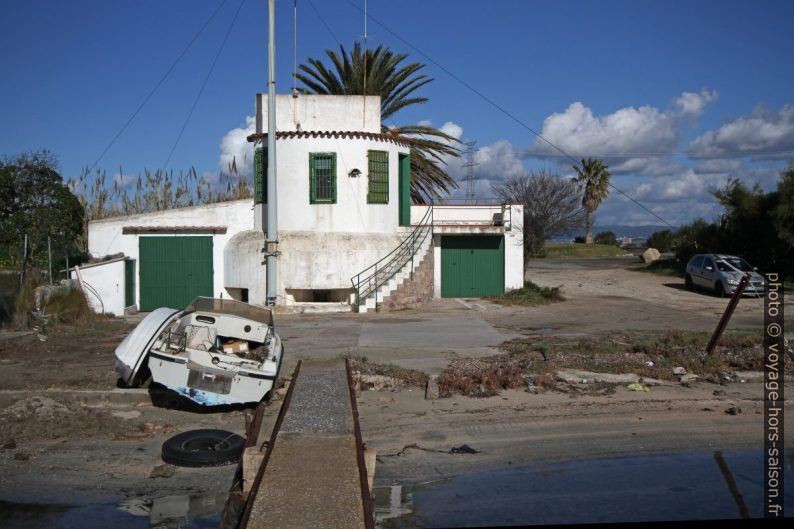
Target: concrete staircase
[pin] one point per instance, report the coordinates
(390, 279)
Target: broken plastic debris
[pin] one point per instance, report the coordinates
(639, 387)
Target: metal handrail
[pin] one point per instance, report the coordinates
(376, 275)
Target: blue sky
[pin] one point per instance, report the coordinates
(676, 96)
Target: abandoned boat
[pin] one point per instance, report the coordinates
(215, 351)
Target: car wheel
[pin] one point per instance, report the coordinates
(203, 448)
(719, 290)
(688, 282)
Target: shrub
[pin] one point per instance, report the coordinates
(606, 237)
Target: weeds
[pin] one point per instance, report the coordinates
(480, 378)
(407, 377)
(529, 294)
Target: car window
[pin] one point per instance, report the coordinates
(698, 262)
(708, 262)
(733, 263)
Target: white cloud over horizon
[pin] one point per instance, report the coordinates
(762, 135)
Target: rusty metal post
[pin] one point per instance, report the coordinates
(726, 316)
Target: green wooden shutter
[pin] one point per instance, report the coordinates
(129, 283)
(405, 190)
(322, 178)
(378, 190)
(260, 175)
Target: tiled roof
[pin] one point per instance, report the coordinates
(378, 136)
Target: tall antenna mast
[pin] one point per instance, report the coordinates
(295, 48)
(363, 125)
(469, 166)
(271, 235)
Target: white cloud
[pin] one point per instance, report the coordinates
(630, 140)
(452, 129)
(718, 165)
(692, 104)
(234, 146)
(123, 181)
(762, 134)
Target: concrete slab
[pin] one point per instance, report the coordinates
(310, 482)
(456, 334)
(312, 477)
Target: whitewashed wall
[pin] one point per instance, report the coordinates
(351, 213)
(321, 113)
(105, 236)
(108, 280)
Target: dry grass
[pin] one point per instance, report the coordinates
(480, 378)
(649, 355)
(407, 377)
(70, 308)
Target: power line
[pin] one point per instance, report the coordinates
(157, 86)
(330, 31)
(204, 84)
(498, 107)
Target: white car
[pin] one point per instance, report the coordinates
(721, 274)
(214, 352)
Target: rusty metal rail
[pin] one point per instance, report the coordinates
(366, 496)
(243, 521)
(286, 490)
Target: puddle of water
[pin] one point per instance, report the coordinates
(662, 487)
(189, 511)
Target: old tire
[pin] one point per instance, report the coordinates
(203, 448)
(688, 282)
(719, 290)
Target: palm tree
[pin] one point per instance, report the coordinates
(395, 83)
(593, 178)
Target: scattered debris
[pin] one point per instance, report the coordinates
(463, 449)
(163, 471)
(678, 371)
(126, 415)
(9, 445)
(718, 393)
(733, 410)
(639, 387)
(22, 456)
(688, 378)
(432, 391)
(707, 409)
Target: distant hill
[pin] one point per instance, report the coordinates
(620, 230)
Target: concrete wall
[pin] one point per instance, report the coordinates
(105, 236)
(321, 113)
(108, 280)
(351, 213)
(313, 260)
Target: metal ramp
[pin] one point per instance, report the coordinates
(313, 474)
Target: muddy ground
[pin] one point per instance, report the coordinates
(69, 433)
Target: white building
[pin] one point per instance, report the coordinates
(347, 230)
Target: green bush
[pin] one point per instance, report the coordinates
(606, 237)
(662, 240)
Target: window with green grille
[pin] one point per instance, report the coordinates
(260, 175)
(322, 178)
(378, 192)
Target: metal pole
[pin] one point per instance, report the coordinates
(726, 316)
(49, 257)
(271, 244)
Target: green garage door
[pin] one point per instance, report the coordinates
(472, 266)
(174, 270)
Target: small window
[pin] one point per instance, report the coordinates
(260, 175)
(378, 192)
(322, 178)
